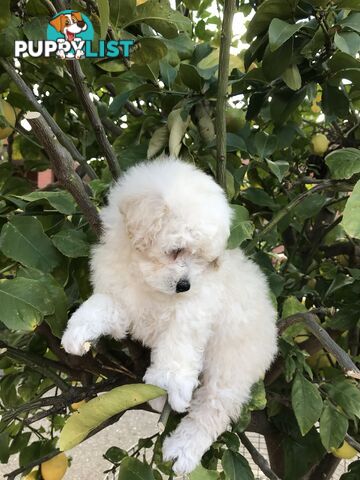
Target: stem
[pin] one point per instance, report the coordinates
(63, 167)
(60, 135)
(223, 78)
(309, 319)
(12, 475)
(260, 461)
(288, 208)
(35, 363)
(92, 113)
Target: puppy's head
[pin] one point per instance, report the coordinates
(69, 22)
(177, 229)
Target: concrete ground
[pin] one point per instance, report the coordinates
(87, 458)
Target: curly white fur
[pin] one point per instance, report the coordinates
(167, 221)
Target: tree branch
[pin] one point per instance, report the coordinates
(64, 140)
(36, 363)
(92, 113)
(260, 461)
(308, 319)
(64, 169)
(294, 203)
(223, 78)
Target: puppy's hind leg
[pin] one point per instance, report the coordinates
(231, 368)
(98, 316)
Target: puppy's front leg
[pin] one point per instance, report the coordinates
(98, 316)
(176, 361)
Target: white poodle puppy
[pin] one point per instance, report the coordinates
(162, 274)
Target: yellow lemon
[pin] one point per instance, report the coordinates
(235, 119)
(320, 360)
(319, 143)
(77, 405)
(55, 468)
(7, 111)
(345, 451)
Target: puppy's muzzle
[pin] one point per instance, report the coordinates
(183, 285)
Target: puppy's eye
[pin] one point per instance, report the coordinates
(67, 22)
(175, 253)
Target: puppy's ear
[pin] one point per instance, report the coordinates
(57, 23)
(77, 15)
(143, 218)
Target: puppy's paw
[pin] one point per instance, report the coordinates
(185, 447)
(75, 340)
(179, 387)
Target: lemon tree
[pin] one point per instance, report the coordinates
(268, 104)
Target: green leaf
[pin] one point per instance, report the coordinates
(292, 77)
(258, 196)
(236, 466)
(201, 473)
(291, 306)
(71, 243)
(280, 32)
(159, 15)
(23, 239)
(307, 403)
(346, 395)
(265, 144)
(148, 50)
(275, 63)
(334, 101)
(191, 77)
(23, 303)
(351, 218)
(62, 201)
(265, 12)
(55, 293)
(242, 228)
(115, 454)
(349, 4)
(158, 141)
(348, 42)
(132, 469)
(352, 21)
(258, 399)
(333, 427)
(104, 13)
(284, 103)
(278, 168)
(5, 14)
(168, 73)
(343, 163)
(99, 409)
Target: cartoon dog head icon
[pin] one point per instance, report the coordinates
(69, 24)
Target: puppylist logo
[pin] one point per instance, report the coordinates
(70, 35)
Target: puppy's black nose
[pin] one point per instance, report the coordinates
(81, 23)
(183, 285)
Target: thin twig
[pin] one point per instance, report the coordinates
(12, 475)
(92, 113)
(290, 206)
(64, 169)
(223, 79)
(64, 140)
(309, 320)
(36, 363)
(351, 441)
(260, 461)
